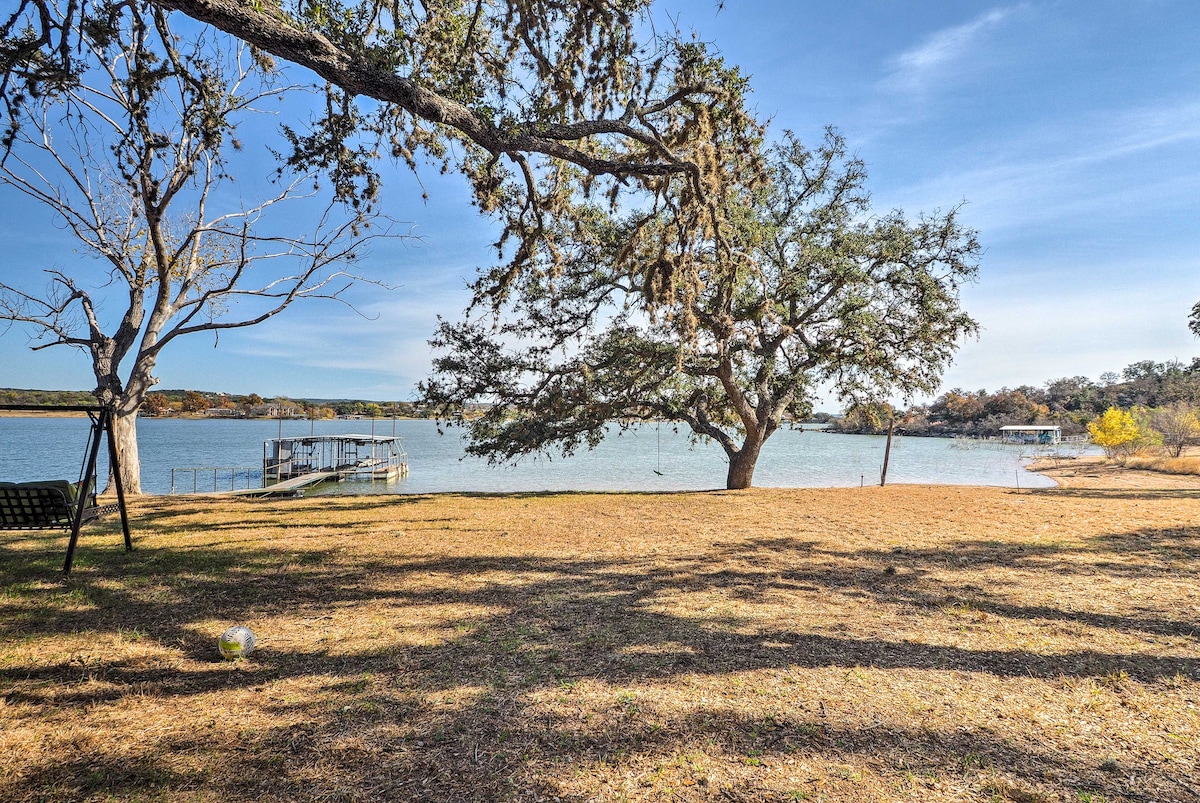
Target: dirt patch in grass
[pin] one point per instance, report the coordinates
(906, 643)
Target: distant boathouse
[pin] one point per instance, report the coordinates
(1032, 433)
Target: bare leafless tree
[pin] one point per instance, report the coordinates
(130, 158)
(1178, 425)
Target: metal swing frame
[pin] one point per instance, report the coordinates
(101, 418)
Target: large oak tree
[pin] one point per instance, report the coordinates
(806, 289)
(538, 103)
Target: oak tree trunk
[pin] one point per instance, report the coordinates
(741, 464)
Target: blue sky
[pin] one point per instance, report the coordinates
(1070, 130)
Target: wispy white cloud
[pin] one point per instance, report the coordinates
(914, 69)
(378, 349)
(1083, 167)
(1144, 129)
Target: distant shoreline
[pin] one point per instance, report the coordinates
(143, 417)
(1093, 471)
(41, 414)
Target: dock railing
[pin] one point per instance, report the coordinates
(224, 478)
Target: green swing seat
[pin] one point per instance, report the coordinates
(47, 505)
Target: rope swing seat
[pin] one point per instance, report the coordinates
(61, 504)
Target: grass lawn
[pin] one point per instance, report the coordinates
(906, 643)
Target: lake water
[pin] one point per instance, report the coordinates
(647, 458)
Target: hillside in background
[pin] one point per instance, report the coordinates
(1070, 402)
(207, 403)
(52, 398)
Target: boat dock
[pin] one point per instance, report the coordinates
(286, 487)
(353, 457)
(303, 481)
(293, 464)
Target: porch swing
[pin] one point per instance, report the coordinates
(61, 504)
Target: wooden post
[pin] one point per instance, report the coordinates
(89, 476)
(887, 450)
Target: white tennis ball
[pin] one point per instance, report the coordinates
(236, 642)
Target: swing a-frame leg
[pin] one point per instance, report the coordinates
(101, 425)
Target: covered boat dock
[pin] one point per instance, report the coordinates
(1044, 434)
(345, 457)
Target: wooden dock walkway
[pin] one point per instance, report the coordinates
(287, 486)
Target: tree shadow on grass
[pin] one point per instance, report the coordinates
(207, 581)
(387, 737)
(1145, 553)
(167, 588)
(536, 641)
(902, 575)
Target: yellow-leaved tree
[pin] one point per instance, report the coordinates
(1115, 431)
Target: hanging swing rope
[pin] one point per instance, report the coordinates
(83, 464)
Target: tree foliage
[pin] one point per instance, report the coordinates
(1070, 402)
(194, 402)
(1115, 431)
(1157, 384)
(1178, 425)
(799, 287)
(156, 404)
(537, 102)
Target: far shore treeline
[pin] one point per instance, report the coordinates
(207, 404)
(1070, 402)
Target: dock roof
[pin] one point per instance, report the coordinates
(334, 438)
(1030, 428)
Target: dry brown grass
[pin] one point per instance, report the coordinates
(907, 643)
(1184, 464)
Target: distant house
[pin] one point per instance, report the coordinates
(274, 411)
(223, 412)
(1032, 433)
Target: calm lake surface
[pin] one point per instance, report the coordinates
(647, 458)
